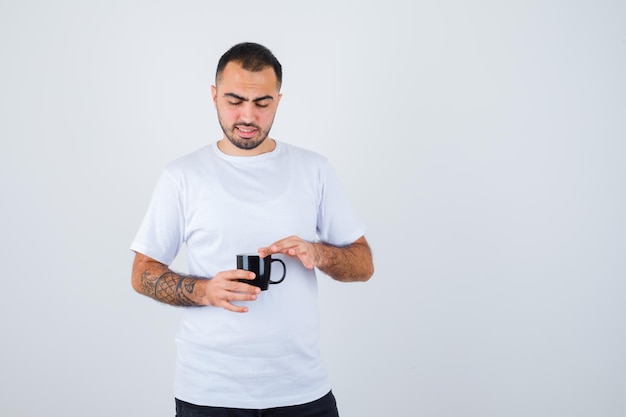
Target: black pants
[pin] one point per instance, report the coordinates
(324, 407)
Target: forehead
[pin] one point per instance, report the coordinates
(235, 78)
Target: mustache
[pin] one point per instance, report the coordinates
(247, 125)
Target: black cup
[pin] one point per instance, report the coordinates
(262, 267)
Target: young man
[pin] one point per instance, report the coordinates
(248, 193)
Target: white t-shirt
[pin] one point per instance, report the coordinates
(219, 206)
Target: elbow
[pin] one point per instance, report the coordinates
(367, 266)
(363, 274)
(135, 282)
(368, 273)
(141, 273)
(138, 271)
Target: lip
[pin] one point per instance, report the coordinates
(246, 132)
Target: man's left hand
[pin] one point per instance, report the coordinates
(294, 247)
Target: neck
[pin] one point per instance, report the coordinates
(228, 148)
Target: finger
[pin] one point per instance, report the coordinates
(304, 254)
(266, 251)
(249, 276)
(281, 245)
(235, 274)
(229, 296)
(243, 288)
(234, 308)
(288, 248)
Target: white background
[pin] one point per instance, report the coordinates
(483, 142)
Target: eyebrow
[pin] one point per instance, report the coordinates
(238, 97)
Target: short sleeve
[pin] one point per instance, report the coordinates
(161, 233)
(337, 222)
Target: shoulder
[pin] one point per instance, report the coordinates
(189, 163)
(303, 155)
(186, 170)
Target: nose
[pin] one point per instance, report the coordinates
(248, 112)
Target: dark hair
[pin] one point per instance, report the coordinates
(252, 57)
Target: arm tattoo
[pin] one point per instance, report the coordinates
(169, 288)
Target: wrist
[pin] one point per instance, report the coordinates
(195, 290)
(317, 254)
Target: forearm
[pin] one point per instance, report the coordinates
(157, 281)
(345, 263)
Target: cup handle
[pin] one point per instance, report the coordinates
(284, 271)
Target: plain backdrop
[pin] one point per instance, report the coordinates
(483, 143)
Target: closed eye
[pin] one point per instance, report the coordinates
(263, 102)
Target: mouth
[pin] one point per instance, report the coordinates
(246, 132)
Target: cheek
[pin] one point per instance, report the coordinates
(227, 115)
(267, 116)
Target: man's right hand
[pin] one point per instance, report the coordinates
(157, 281)
(225, 287)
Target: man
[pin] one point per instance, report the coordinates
(243, 193)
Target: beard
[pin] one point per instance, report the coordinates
(244, 143)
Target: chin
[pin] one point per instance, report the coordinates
(247, 144)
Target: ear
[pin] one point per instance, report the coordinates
(214, 94)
